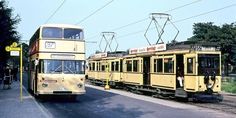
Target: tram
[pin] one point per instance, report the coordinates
(185, 71)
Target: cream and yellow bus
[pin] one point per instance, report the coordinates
(57, 60)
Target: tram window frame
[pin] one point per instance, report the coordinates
(135, 65)
(190, 68)
(129, 65)
(167, 67)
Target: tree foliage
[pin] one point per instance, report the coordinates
(224, 36)
(8, 32)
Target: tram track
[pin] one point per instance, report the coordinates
(227, 105)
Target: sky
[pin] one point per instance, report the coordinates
(117, 14)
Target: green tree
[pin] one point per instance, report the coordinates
(8, 32)
(224, 36)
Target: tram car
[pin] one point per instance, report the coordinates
(181, 71)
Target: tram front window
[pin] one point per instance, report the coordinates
(208, 63)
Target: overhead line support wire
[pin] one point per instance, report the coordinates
(132, 33)
(132, 23)
(49, 18)
(94, 12)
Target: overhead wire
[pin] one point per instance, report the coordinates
(49, 18)
(205, 13)
(94, 12)
(144, 19)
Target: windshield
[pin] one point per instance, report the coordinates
(52, 32)
(208, 63)
(62, 66)
(66, 33)
(73, 33)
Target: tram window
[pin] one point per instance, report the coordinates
(52, 32)
(135, 65)
(90, 67)
(209, 63)
(168, 65)
(189, 65)
(117, 66)
(159, 65)
(129, 65)
(93, 66)
(112, 66)
(70, 33)
(103, 67)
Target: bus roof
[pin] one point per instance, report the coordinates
(62, 26)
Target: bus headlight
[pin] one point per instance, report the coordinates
(44, 85)
(80, 85)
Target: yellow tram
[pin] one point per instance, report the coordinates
(180, 71)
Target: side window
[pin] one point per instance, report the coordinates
(135, 65)
(112, 66)
(93, 66)
(190, 65)
(129, 65)
(159, 65)
(168, 65)
(117, 66)
(103, 67)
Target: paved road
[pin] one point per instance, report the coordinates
(97, 103)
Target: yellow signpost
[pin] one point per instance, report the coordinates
(13, 47)
(107, 87)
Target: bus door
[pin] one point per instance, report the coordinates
(146, 70)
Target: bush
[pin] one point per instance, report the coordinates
(229, 87)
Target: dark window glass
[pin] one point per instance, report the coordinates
(70, 33)
(135, 65)
(117, 66)
(129, 65)
(208, 63)
(93, 66)
(159, 65)
(168, 65)
(52, 32)
(90, 66)
(103, 67)
(112, 66)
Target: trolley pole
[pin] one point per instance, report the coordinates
(107, 87)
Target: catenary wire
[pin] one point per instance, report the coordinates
(94, 12)
(50, 17)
